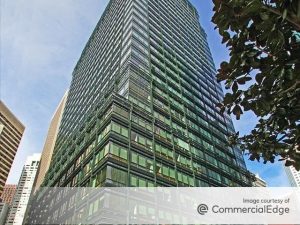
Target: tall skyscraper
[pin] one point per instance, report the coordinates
(11, 131)
(50, 142)
(8, 193)
(18, 208)
(141, 109)
(293, 176)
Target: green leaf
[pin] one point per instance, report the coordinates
(259, 77)
(224, 65)
(246, 105)
(284, 15)
(260, 46)
(228, 99)
(289, 163)
(235, 87)
(264, 16)
(253, 7)
(226, 37)
(281, 111)
(289, 141)
(243, 80)
(237, 111)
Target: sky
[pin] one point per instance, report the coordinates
(40, 44)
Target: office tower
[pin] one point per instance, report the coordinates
(8, 193)
(259, 182)
(23, 192)
(141, 109)
(293, 176)
(4, 208)
(49, 143)
(11, 131)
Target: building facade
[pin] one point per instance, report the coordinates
(50, 142)
(8, 193)
(11, 132)
(18, 207)
(259, 182)
(141, 109)
(293, 176)
(4, 208)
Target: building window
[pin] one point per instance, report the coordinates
(142, 162)
(199, 168)
(178, 128)
(201, 183)
(164, 151)
(214, 175)
(197, 152)
(118, 151)
(162, 118)
(101, 154)
(124, 89)
(165, 171)
(87, 168)
(208, 146)
(99, 179)
(143, 123)
(119, 129)
(113, 149)
(184, 161)
(121, 111)
(139, 103)
(141, 140)
(182, 144)
(185, 179)
(136, 181)
(211, 160)
(162, 133)
(116, 176)
(104, 132)
(89, 149)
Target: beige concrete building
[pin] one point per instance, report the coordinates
(8, 193)
(50, 142)
(259, 182)
(11, 132)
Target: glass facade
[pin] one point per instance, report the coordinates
(141, 110)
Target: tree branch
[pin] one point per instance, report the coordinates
(283, 137)
(291, 88)
(288, 18)
(264, 51)
(298, 10)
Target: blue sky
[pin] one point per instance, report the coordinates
(41, 42)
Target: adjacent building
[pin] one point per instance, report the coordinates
(141, 109)
(11, 132)
(293, 176)
(6, 198)
(49, 143)
(259, 182)
(18, 207)
(4, 208)
(8, 193)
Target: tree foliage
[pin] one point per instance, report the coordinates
(263, 74)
